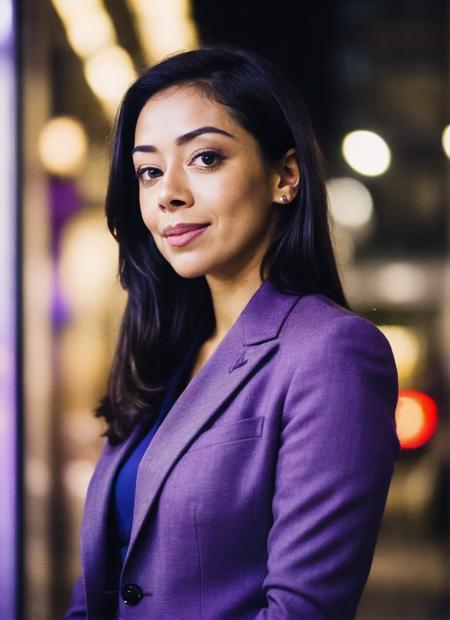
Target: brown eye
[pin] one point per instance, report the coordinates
(150, 173)
(209, 158)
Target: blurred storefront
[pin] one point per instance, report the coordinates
(375, 76)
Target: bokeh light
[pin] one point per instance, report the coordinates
(88, 262)
(109, 72)
(164, 26)
(407, 349)
(89, 32)
(446, 140)
(416, 418)
(107, 67)
(366, 152)
(351, 203)
(401, 282)
(63, 146)
(77, 476)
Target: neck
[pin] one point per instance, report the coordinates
(229, 297)
(231, 290)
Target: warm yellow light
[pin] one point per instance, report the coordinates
(109, 72)
(63, 146)
(164, 26)
(366, 152)
(446, 140)
(88, 263)
(77, 476)
(69, 10)
(408, 418)
(351, 203)
(401, 282)
(406, 347)
(89, 32)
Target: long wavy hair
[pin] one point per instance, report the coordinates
(164, 310)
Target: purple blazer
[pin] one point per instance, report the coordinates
(262, 492)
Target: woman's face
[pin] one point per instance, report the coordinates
(197, 166)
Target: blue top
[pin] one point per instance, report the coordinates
(124, 486)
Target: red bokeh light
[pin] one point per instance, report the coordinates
(416, 418)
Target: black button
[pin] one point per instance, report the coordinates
(132, 594)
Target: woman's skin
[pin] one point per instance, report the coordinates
(215, 179)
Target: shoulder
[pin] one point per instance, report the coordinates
(322, 333)
(316, 316)
(341, 386)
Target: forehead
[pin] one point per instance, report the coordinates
(175, 111)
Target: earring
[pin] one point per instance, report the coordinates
(284, 198)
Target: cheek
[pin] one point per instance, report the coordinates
(248, 192)
(233, 200)
(246, 209)
(147, 213)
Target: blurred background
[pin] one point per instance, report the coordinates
(375, 77)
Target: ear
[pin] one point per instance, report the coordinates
(286, 178)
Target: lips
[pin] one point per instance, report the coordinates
(181, 229)
(182, 234)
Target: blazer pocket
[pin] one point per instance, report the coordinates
(247, 428)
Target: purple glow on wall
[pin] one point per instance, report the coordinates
(6, 26)
(8, 321)
(65, 200)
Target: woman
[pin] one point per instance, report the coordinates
(250, 429)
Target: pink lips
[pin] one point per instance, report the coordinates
(182, 234)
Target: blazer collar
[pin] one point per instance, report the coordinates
(250, 343)
(264, 315)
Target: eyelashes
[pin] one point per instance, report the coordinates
(154, 172)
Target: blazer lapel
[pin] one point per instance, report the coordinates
(249, 343)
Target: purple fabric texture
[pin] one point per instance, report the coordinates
(262, 492)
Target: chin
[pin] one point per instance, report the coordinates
(188, 271)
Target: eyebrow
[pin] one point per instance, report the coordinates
(186, 137)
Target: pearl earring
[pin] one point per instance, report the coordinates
(284, 198)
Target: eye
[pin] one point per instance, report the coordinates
(210, 158)
(147, 173)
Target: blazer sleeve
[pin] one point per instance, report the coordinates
(77, 609)
(336, 455)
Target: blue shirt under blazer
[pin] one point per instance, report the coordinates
(262, 491)
(124, 486)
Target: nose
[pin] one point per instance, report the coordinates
(174, 192)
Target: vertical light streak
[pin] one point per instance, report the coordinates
(108, 68)
(8, 326)
(164, 27)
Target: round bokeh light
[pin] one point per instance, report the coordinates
(366, 152)
(416, 418)
(63, 146)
